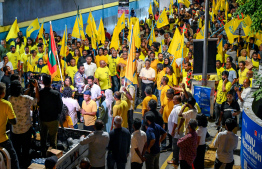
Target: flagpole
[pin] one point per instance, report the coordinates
(151, 31)
(59, 64)
(205, 47)
(65, 45)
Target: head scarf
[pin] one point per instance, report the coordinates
(109, 101)
(40, 66)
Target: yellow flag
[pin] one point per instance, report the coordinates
(32, 27)
(129, 31)
(13, 31)
(64, 45)
(220, 48)
(150, 10)
(200, 23)
(78, 27)
(246, 23)
(170, 8)
(115, 39)
(162, 20)
(131, 61)
(180, 48)
(152, 37)
(89, 25)
(218, 5)
(171, 2)
(41, 31)
(101, 33)
(136, 33)
(121, 23)
(226, 10)
(201, 33)
(133, 20)
(174, 43)
(213, 9)
(230, 28)
(156, 3)
(185, 2)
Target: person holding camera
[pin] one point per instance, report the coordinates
(21, 132)
(50, 106)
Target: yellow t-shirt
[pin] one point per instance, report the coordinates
(163, 92)
(120, 109)
(159, 77)
(58, 76)
(154, 65)
(112, 65)
(99, 58)
(255, 63)
(90, 107)
(142, 56)
(168, 107)
(71, 71)
(68, 122)
(45, 70)
(222, 96)
(102, 74)
(76, 58)
(14, 58)
(7, 112)
(172, 80)
(219, 57)
(145, 102)
(40, 55)
(122, 69)
(184, 74)
(24, 59)
(219, 72)
(242, 75)
(31, 63)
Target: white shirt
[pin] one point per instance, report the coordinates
(201, 132)
(244, 94)
(173, 119)
(2, 65)
(72, 106)
(159, 38)
(138, 140)
(226, 142)
(90, 69)
(95, 92)
(188, 115)
(147, 73)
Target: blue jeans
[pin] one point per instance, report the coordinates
(76, 126)
(115, 82)
(9, 147)
(80, 100)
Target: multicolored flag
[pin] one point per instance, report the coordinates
(51, 61)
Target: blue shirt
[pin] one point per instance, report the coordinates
(153, 132)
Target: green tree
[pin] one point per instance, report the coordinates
(253, 8)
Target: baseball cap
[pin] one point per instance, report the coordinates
(87, 92)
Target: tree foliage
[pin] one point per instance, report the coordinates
(253, 8)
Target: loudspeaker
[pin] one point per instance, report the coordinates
(199, 54)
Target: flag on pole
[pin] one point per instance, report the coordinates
(150, 10)
(152, 37)
(174, 43)
(13, 31)
(78, 27)
(185, 2)
(246, 23)
(156, 4)
(121, 23)
(136, 33)
(32, 27)
(162, 20)
(201, 33)
(101, 37)
(51, 61)
(41, 31)
(64, 44)
(115, 39)
(131, 61)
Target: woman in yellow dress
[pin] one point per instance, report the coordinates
(30, 44)
(32, 61)
(171, 76)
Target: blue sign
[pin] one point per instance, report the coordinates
(202, 96)
(251, 144)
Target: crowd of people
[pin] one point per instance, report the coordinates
(91, 88)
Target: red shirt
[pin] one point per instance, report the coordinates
(108, 36)
(156, 17)
(188, 147)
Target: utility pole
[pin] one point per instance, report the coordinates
(205, 47)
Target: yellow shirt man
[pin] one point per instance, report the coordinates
(103, 76)
(172, 80)
(159, 77)
(112, 64)
(24, 59)
(222, 96)
(14, 58)
(163, 92)
(242, 75)
(90, 107)
(32, 62)
(168, 107)
(120, 109)
(145, 102)
(219, 72)
(71, 71)
(7, 112)
(122, 69)
(99, 58)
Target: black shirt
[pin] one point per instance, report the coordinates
(119, 144)
(228, 109)
(158, 119)
(7, 81)
(81, 61)
(50, 105)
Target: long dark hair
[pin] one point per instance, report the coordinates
(63, 115)
(15, 88)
